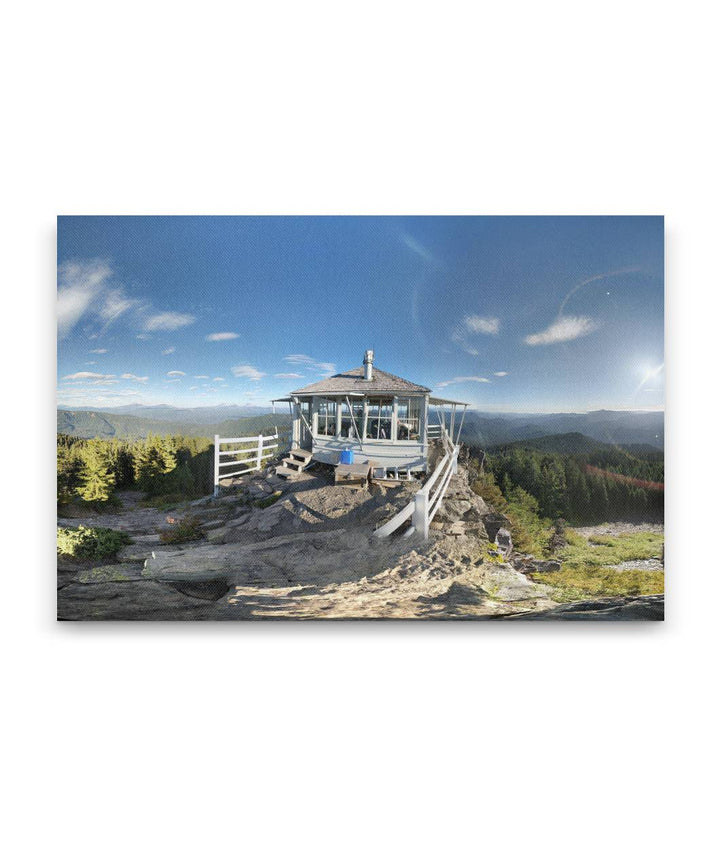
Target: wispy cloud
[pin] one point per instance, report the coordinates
(99, 351)
(501, 374)
(564, 329)
(480, 324)
(463, 380)
(415, 246)
(311, 363)
(221, 337)
(249, 372)
(473, 325)
(201, 377)
(167, 321)
(176, 374)
(218, 380)
(89, 289)
(168, 351)
(88, 376)
(289, 375)
(134, 377)
(82, 287)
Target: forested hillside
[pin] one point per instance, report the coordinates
(579, 479)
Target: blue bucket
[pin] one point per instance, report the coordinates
(347, 456)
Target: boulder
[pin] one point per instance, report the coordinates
(494, 522)
(503, 539)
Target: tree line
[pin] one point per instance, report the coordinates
(582, 488)
(175, 467)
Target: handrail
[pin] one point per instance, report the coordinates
(424, 505)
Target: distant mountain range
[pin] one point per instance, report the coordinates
(617, 427)
(106, 424)
(575, 444)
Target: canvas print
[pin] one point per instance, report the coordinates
(409, 418)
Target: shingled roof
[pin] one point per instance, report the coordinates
(354, 381)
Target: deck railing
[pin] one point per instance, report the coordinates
(424, 505)
(246, 456)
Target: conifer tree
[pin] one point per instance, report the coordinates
(97, 479)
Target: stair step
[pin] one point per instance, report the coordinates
(291, 462)
(301, 454)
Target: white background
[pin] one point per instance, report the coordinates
(358, 738)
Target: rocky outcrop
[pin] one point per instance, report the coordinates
(641, 608)
(531, 565)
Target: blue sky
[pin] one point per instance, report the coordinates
(507, 313)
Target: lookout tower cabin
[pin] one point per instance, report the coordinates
(371, 416)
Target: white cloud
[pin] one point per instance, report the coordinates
(289, 375)
(134, 377)
(247, 371)
(167, 321)
(115, 304)
(415, 246)
(88, 376)
(478, 324)
(311, 363)
(176, 374)
(99, 351)
(143, 336)
(80, 284)
(473, 325)
(168, 351)
(89, 289)
(563, 330)
(500, 374)
(218, 379)
(221, 337)
(463, 380)
(201, 377)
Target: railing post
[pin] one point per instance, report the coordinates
(455, 460)
(260, 450)
(216, 467)
(420, 515)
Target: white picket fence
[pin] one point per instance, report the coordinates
(257, 449)
(424, 505)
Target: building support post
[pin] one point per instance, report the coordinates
(216, 467)
(420, 515)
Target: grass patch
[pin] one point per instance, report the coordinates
(104, 574)
(269, 500)
(601, 550)
(586, 566)
(584, 582)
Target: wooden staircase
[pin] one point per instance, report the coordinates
(296, 461)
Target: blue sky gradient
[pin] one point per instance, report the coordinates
(508, 313)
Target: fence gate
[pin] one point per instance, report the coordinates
(241, 455)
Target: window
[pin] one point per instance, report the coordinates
(327, 417)
(379, 424)
(408, 419)
(349, 428)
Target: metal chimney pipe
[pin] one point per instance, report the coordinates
(368, 363)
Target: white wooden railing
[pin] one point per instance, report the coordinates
(250, 457)
(424, 505)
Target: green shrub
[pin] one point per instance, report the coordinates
(186, 529)
(90, 542)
